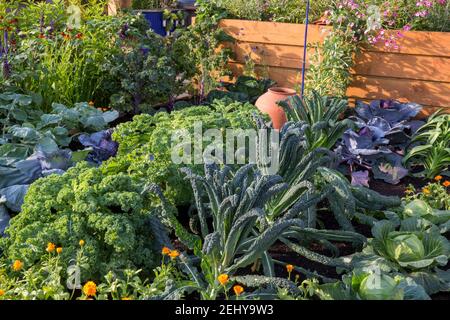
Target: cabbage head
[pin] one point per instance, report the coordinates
(411, 247)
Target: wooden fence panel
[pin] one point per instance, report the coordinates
(419, 71)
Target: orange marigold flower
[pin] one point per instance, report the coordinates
(2, 292)
(238, 290)
(438, 178)
(165, 251)
(173, 254)
(59, 250)
(81, 243)
(41, 36)
(289, 268)
(223, 279)
(17, 265)
(50, 247)
(90, 288)
(446, 183)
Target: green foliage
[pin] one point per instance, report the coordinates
(204, 58)
(59, 63)
(363, 284)
(143, 73)
(293, 11)
(107, 211)
(329, 72)
(231, 241)
(145, 144)
(322, 114)
(25, 129)
(416, 250)
(430, 146)
(43, 281)
(435, 194)
(153, 4)
(245, 89)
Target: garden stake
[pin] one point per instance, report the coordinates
(305, 48)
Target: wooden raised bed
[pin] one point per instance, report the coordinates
(418, 72)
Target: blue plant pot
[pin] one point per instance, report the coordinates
(157, 23)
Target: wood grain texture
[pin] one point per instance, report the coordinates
(418, 71)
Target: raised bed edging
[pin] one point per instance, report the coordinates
(419, 71)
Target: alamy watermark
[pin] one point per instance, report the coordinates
(227, 146)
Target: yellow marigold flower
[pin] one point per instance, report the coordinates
(409, 191)
(174, 254)
(59, 250)
(426, 191)
(238, 290)
(438, 178)
(90, 288)
(81, 243)
(223, 279)
(127, 298)
(165, 251)
(91, 103)
(446, 184)
(289, 268)
(50, 247)
(17, 265)
(2, 292)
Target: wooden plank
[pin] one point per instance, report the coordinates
(422, 92)
(272, 32)
(402, 66)
(269, 54)
(419, 43)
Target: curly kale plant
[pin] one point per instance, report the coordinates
(108, 212)
(145, 144)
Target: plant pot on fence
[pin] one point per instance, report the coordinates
(268, 103)
(162, 25)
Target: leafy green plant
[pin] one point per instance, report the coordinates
(322, 115)
(25, 129)
(430, 146)
(435, 194)
(363, 284)
(153, 4)
(145, 144)
(231, 242)
(108, 212)
(204, 57)
(244, 89)
(61, 64)
(143, 71)
(416, 250)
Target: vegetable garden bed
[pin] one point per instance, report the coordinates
(113, 187)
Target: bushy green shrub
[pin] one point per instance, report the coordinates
(145, 143)
(106, 211)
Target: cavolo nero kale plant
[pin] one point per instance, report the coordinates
(322, 114)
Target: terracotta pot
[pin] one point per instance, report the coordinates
(267, 103)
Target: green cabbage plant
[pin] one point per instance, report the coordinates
(414, 248)
(366, 284)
